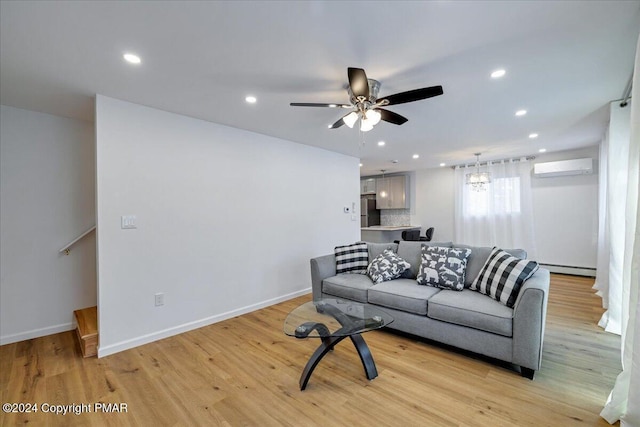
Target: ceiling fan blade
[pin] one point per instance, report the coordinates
(358, 82)
(312, 104)
(337, 124)
(413, 95)
(391, 117)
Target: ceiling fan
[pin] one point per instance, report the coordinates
(365, 104)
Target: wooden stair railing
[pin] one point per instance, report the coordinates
(87, 330)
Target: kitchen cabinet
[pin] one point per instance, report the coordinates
(391, 192)
(368, 186)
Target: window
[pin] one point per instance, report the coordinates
(501, 197)
(502, 215)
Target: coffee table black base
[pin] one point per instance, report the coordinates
(327, 345)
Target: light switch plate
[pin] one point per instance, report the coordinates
(128, 222)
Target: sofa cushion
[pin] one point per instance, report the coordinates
(443, 267)
(478, 257)
(471, 309)
(386, 266)
(402, 294)
(352, 258)
(350, 286)
(502, 276)
(412, 253)
(376, 249)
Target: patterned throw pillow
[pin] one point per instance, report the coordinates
(443, 267)
(352, 258)
(502, 276)
(387, 266)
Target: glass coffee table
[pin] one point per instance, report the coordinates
(333, 320)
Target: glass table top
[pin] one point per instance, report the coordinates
(334, 318)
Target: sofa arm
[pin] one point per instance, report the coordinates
(321, 268)
(529, 315)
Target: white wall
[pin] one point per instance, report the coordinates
(434, 202)
(227, 220)
(46, 200)
(565, 210)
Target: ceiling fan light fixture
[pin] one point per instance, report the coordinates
(365, 125)
(373, 117)
(365, 103)
(350, 119)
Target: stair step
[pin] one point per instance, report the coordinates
(87, 330)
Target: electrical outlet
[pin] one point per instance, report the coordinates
(159, 299)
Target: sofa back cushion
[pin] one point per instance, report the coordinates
(412, 253)
(478, 257)
(376, 249)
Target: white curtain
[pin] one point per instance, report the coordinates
(602, 270)
(502, 214)
(614, 182)
(623, 287)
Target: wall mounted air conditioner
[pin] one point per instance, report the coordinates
(563, 168)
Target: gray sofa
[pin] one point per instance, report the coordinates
(465, 319)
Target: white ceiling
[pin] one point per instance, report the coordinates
(564, 60)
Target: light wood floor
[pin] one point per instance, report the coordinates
(245, 371)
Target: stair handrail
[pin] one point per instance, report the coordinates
(67, 248)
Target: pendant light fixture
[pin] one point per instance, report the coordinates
(478, 180)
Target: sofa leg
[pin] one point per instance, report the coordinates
(527, 372)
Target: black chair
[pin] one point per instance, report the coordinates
(411, 235)
(428, 235)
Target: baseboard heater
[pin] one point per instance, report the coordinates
(572, 270)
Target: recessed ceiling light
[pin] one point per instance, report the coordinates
(521, 113)
(131, 58)
(381, 143)
(533, 135)
(416, 156)
(498, 73)
(251, 99)
(542, 150)
(443, 164)
(360, 164)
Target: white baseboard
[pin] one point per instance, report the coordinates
(166, 333)
(36, 333)
(574, 271)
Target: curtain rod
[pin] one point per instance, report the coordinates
(627, 91)
(515, 159)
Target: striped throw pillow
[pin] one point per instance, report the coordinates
(502, 276)
(352, 258)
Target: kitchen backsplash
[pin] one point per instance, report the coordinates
(395, 217)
